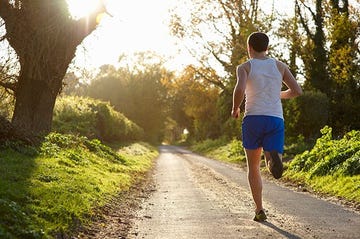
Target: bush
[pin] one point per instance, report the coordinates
(93, 119)
(306, 115)
(330, 156)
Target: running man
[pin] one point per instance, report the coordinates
(259, 81)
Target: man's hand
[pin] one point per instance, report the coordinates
(235, 113)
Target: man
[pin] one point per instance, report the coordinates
(260, 80)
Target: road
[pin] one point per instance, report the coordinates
(196, 197)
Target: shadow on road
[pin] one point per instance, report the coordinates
(281, 231)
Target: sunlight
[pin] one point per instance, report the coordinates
(82, 8)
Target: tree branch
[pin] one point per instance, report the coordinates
(8, 85)
(227, 14)
(6, 11)
(211, 79)
(302, 21)
(84, 26)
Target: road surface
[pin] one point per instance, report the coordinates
(196, 197)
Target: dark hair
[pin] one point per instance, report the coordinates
(258, 41)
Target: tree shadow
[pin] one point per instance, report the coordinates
(286, 234)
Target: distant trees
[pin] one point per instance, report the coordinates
(137, 92)
(194, 104)
(44, 38)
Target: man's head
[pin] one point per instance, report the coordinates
(258, 41)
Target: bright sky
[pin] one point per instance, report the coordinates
(136, 26)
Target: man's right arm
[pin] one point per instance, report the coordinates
(239, 89)
(294, 89)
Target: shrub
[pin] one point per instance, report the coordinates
(330, 156)
(306, 115)
(93, 119)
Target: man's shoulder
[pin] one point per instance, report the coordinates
(244, 66)
(281, 66)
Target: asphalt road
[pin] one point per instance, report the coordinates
(196, 197)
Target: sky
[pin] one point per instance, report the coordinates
(137, 26)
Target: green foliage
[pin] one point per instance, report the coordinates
(306, 115)
(6, 103)
(138, 93)
(328, 48)
(93, 119)
(296, 145)
(194, 103)
(48, 191)
(232, 127)
(334, 159)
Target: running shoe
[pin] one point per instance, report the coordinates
(276, 166)
(260, 216)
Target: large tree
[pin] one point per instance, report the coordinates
(44, 37)
(330, 54)
(314, 52)
(344, 66)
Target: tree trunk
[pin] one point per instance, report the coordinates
(45, 40)
(34, 106)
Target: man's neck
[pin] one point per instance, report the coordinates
(259, 55)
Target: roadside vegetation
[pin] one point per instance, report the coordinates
(221, 149)
(331, 166)
(50, 190)
(93, 119)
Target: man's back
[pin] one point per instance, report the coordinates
(263, 88)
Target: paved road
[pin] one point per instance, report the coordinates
(199, 198)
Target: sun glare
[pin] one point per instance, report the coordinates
(82, 8)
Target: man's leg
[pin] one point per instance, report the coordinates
(253, 157)
(274, 163)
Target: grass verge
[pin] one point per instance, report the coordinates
(221, 149)
(49, 191)
(331, 167)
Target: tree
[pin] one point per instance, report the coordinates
(44, 37)
(217, 31)
(194, 104)
(138, 93)
(314, 53)
(325, 37)
(344, 66)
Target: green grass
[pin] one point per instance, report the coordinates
(221, 149)
(50, 190)
(345, 187)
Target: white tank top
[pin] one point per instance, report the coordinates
(263, 88)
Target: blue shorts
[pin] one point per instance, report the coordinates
(263, 131)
